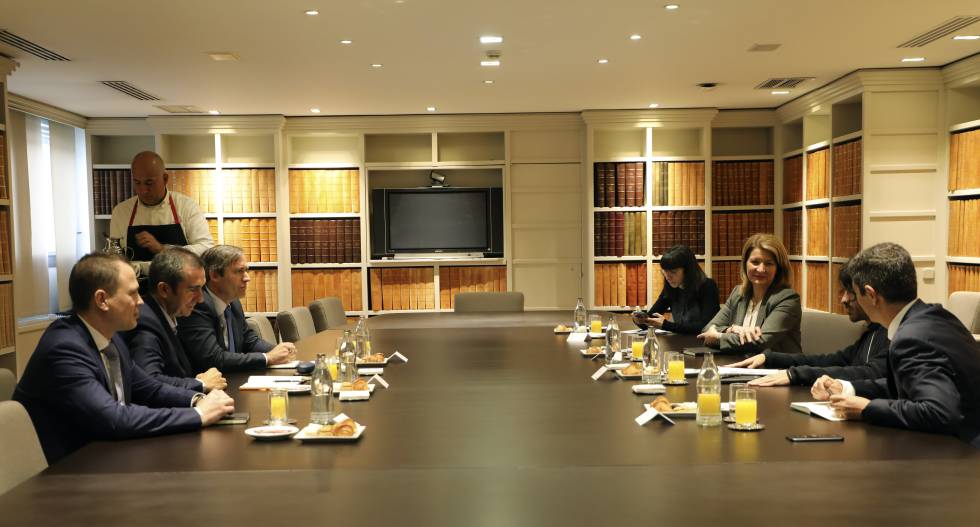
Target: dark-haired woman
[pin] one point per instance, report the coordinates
(689, 296)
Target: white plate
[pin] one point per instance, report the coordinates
(587, 353)
(271, 432)
(336, 388)
(382, 363)
(597, 335)
(687, 409)
(370, 371)
(306, 435)
(567, 330)
(628, 377)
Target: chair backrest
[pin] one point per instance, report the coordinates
(263, 327)
(295, 324)
(8, 381)
(827, 332)
(328, 313)
(20, 451)
(488, 302)
(966, 306)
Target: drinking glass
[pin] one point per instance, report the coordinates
(746, 408)
(732, 389)
(333, 366)
(278, 406)
(635, 343)
(675, 367)
(595, 323)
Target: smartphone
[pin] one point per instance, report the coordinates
(237, 418)
(808, 438)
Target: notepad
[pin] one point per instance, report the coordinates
(819, 409)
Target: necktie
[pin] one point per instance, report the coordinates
(230, 332)
(115, 372)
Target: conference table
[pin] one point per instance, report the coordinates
(495, 420)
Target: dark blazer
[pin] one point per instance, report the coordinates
(156, 349)
(779, 317)
(690, 309)
(932, 382)
(65, 389)
(865, 359)
(201, 334)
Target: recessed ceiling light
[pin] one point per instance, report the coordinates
(653, 105)
(488, 81)
(603, 61)
(312, 12)
(635, 36)
(489, 62)
(213, 112)
(345, 42)
(375, 65)
(913, 59)
(221, 56)
(671, 7)
(780, 92)
(430, 108)
(491, 39)
(966, 37)
(314, 110)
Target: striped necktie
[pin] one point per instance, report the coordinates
(115, 372)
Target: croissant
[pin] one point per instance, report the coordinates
(633, 369)
(661, 404)
(345, 428)
(360, 385)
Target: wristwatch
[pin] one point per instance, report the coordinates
(196, 399)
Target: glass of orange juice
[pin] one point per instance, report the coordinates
(636, 345)
(675, 368)
(733, 389)
(278, 406)
(333, 366)
(595, 323)
(746, 408)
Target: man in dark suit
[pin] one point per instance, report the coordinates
(80, 384)
(932, 379)
(176, 283)
(215, 333)
(864, 359)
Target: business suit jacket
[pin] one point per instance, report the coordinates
(65, 389)
(201, 334)
(156, 349)
(932, 383)
(779, 317)
(865, 359)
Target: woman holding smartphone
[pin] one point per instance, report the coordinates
(763, 312)
(688, 295)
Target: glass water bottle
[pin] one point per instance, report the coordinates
(709, 393)
(581, 314)
(321, 392)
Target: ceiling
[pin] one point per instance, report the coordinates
(430, 51)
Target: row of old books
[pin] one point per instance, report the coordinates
(213, 229)
(964, 233)
(796, 280)
(793, 179)
(818, 231)
(325, 241)
(324, 191)
(621, 284)
(256, 236)
(619, 184)
(847, 230)
(742, 183)
(964, 160)
(793, 231)
(726, 275)
(729, 230)
(678, 183)
(847, 168)
(682, 227)
(6, 266)
(402, 288)
(4, 177)
(197, 184)
(620, 233)
(817, 165)
(964, 277)
(262, 293)
(817, 286)
(469, 279)
(835, 305)
(312, 284)
(109, 187)
(249, 190)
(7, 335)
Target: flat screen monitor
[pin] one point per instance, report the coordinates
(434, 220)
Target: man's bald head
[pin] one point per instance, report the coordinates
(149, 177)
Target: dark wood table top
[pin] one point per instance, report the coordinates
(503, 425)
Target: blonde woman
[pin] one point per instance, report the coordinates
(763, 313)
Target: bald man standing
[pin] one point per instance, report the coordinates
(156, 217)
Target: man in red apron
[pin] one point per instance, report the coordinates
(156, 217)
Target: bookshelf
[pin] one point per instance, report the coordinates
(8, 315)
(963, 189)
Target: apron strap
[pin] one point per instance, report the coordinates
(173, 210)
